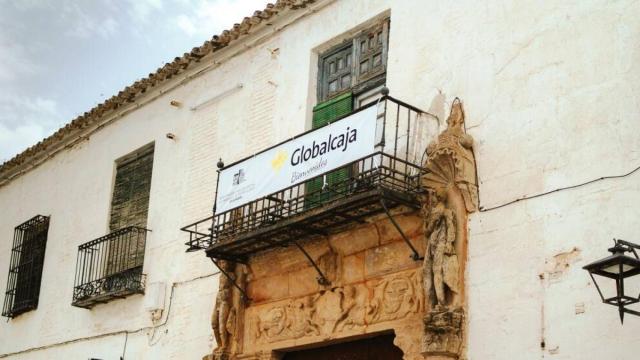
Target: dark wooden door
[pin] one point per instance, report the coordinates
(377, 348)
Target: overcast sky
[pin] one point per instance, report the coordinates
(60, 58)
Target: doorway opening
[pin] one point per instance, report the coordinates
(375, 348)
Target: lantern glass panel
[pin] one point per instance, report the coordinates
(632, 287)
(628, 293)
(607, 286)
(615, 269)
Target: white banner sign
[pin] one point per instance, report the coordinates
(298, 160)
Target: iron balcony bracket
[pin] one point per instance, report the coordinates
(322, 280)
(233, 281)
(416, 256)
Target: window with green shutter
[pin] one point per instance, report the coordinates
(130, 200)
(129, 207)
(348, 74)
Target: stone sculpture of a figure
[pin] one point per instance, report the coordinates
(440, 268)
(451, 186)
(451, 189)
(223, 319)
(451, 162)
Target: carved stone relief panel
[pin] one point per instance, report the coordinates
(395, 298)
(345, 308)
(353, 308)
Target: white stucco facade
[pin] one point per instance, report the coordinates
(551, 98)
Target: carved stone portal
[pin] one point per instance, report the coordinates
(423, 304)
(452, 192)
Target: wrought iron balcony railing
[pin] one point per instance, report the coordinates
(386, 178)
(110, 267)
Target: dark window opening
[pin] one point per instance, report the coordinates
(25, 268)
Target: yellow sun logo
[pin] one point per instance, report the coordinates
(279, 160)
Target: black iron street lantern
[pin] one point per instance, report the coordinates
(615, 269)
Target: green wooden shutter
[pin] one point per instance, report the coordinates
(130, 201)
(330, 110)
(129, 207)
(323, 114)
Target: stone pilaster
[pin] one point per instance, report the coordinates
(452, 193)
(443, 333)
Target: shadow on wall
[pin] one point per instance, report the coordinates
(437, 106)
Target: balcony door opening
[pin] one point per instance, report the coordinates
(375, 348)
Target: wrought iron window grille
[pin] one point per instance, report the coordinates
(110, 267)
(385, 179)
(25, 267)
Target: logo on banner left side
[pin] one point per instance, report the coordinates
(238, 177)
(278, 161)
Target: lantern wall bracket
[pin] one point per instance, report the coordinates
(631, 247)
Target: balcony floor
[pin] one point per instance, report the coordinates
(90, 302)
(319, 221)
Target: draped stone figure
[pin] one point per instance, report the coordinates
(440, 268)
(451, 186)
(222, 314)
(228, 311)
(450, 181)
